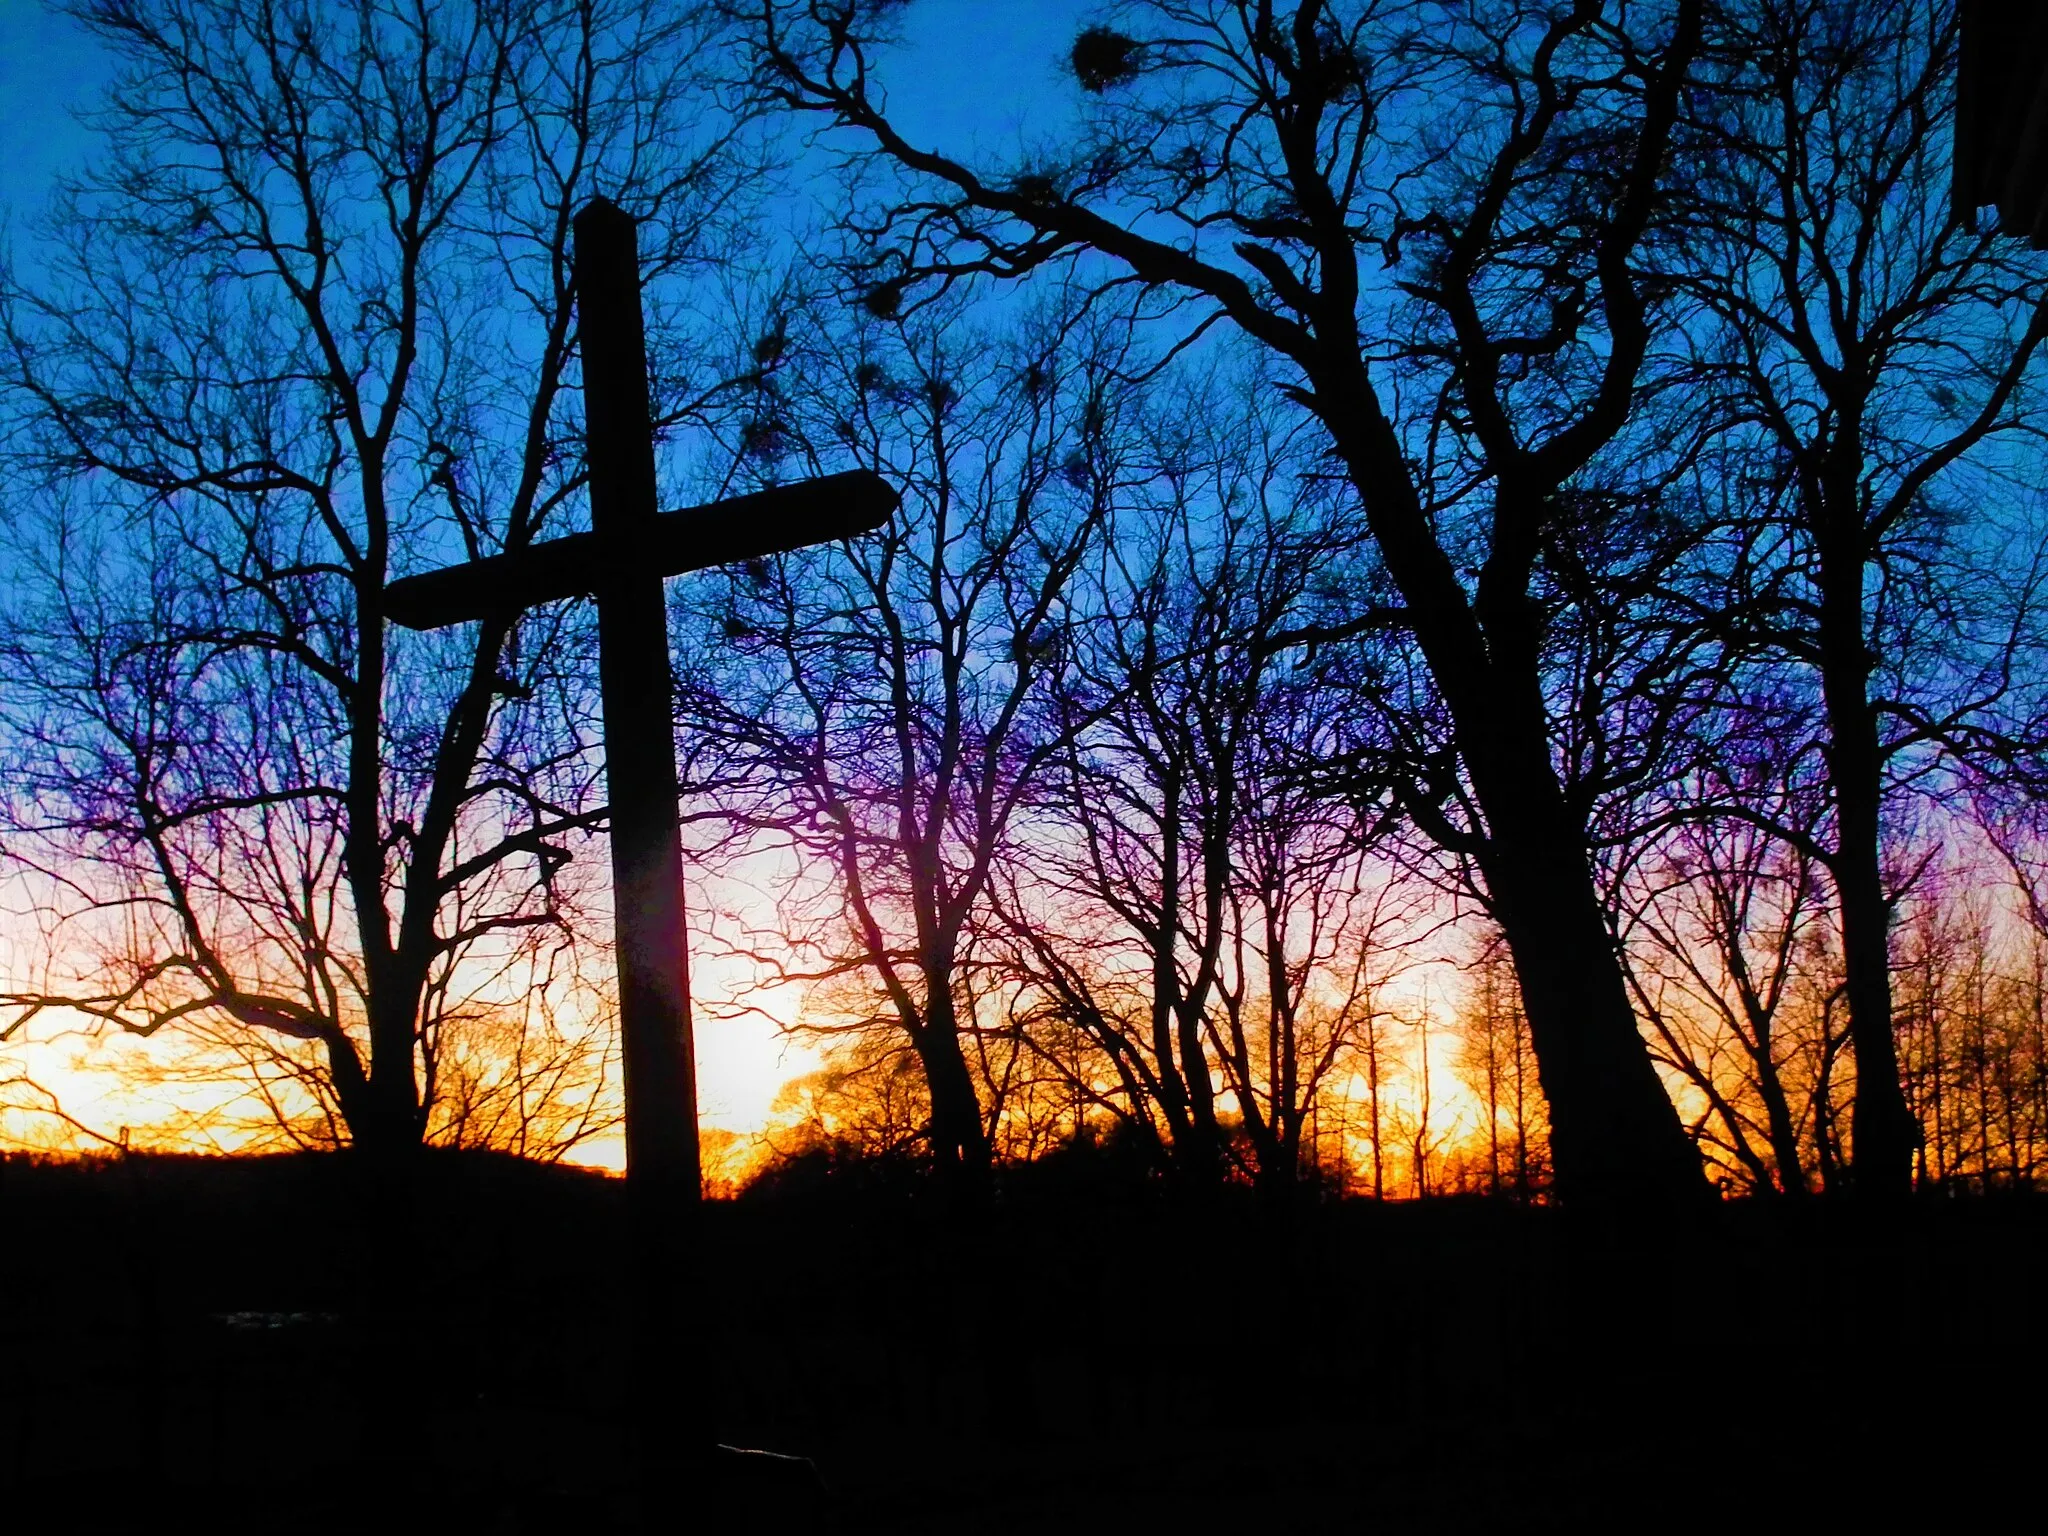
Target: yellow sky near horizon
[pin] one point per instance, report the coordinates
(747, 1054)
(745, 1060)
(103, 1079)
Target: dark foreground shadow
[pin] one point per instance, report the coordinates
(183, 1350)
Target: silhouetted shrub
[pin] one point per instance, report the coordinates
(835, 1167)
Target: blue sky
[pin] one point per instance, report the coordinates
(47, 66)
(982, 71)
(971, 73)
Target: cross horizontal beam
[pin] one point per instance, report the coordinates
(770, 522)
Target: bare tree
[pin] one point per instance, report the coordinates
(866, 1112)
(1190, 891)
(1968, 974)
(1725, 928)
(879, 713)
(1317, 928)
(1262, 166)
(1883, 350)
(306, 323)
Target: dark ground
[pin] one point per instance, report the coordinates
(179, 1350)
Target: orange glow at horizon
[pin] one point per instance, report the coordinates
(102, 1079)
(116, 1084)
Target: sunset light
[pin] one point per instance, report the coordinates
(918, 766)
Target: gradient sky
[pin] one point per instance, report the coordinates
(972, 76)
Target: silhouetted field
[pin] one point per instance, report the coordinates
(181, 1348)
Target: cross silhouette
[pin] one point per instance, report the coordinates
(622, 562)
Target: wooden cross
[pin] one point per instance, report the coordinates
(622, 562)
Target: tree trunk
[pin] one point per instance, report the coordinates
(391, 1124)
(959, 1145)
(1203, 1158)
(1778, 1121)
(1372, 1088)
(1880, 1127)
(1615, 1137)
(1190, 1009)
(1183, 1069)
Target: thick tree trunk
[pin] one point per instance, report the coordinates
(1881, 1128)
(1615, 1136)
(391, 1123)
(1203, 1158)
(960, 1150)
(1276, 1157)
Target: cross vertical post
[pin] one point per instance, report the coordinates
(622, 561)
(663, 1175)
(634, 681)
